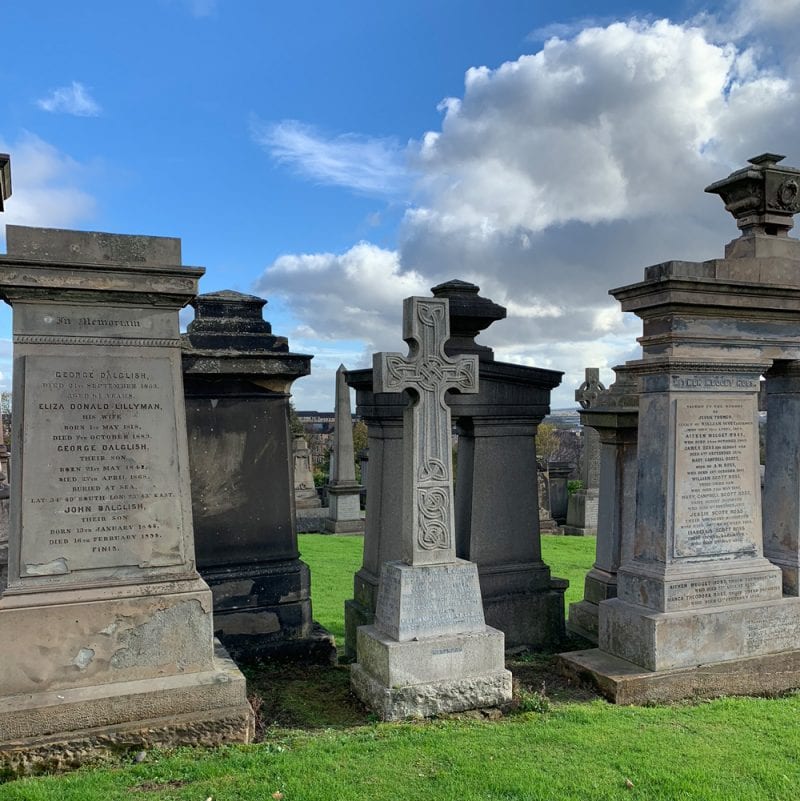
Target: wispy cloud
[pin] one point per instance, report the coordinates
(73, 99)
(368, 165)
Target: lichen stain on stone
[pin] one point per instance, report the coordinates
(56, 567)
(84, 658)
(180, 629)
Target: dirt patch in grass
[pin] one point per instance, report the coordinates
(303, 697)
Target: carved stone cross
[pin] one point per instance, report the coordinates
(428, 533)
(586, 394)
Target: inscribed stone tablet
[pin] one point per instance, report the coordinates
(100, 484)
(717, 505)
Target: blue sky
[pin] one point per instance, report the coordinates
(337, 157)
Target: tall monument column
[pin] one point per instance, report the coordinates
(700, 608)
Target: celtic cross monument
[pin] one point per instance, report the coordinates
(429, 650)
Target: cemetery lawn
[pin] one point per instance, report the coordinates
(559, 743)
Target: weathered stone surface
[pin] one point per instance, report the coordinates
(92, 247)
(183, 709)
(429, 649)
(625, 683)
(237, 379)
(103, 591)
(305, 492)
(696, 588)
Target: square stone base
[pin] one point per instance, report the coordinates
(625, 683)
(532, 619)
(330, 526)
(264, 611)
(668, 640)
(421, 678)
(64, 729)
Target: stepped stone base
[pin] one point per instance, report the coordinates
(421, 678)
(342, 526)
(263, 611)
(532, 619)
(625, 683)
(69, 727)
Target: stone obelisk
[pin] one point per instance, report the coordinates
(344, 492)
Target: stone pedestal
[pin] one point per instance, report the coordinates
(698, 595)
(237, 379)
(614, 416)
(383, 414)
(429, 650)
(111, 624)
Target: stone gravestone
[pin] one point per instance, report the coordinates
(558, 474)
(344, 492)
(111, 623)
(614, 415)
(237, 381)
(305, 492)
(583, 505)
(429, 650)
(699, 609)
(496, 514)
(546, 521)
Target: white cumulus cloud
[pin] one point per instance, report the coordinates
(73, 99)
(562, 174)
(46, 186)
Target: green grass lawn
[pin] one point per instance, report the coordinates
(319, 744)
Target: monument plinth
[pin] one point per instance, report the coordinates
(111, 623)
(237, 381)
(699, 607)
(429, 650)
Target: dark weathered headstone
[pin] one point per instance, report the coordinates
(101, 539)
(429, 650)
(237, 379)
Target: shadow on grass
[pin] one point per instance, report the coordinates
(313, 697)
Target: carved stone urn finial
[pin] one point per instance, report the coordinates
(763, 197)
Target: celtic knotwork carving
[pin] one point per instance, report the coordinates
(430, 315)
(434, 526)
(433, 470)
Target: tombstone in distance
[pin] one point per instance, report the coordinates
(429, 650)
(237, 379)
(110, 621)
(344, 492)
